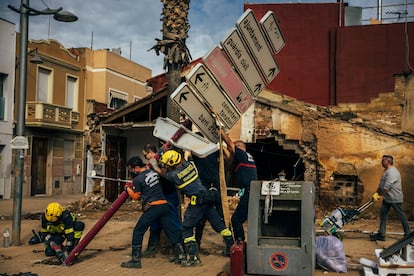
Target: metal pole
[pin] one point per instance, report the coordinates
(21, 102)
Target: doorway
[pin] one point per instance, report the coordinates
(39, 164)
(115, 166)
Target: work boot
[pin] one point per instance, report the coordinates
(377, 237)
(135, 261)
(153, 242)
(60, 255)
(193, 257)
(228, 240)
(180, 255)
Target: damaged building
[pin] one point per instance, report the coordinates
(339, 148)
(328, 117)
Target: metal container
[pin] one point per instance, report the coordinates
(281, 232)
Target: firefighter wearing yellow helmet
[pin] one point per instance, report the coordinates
(184, 175)
(58, 225)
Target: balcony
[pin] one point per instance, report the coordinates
(50, 116)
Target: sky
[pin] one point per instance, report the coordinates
(133, 25)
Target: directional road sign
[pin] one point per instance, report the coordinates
(256, 42)
(192, 106)
(272, 31)
(222, 70)
(165, 128)
(211, 92)
(243, 63)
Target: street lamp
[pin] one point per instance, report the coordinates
(25, 11)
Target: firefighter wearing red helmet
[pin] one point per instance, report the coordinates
(58, 225)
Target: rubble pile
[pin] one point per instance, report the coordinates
(89, 203)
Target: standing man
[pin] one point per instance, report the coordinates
(208, 171)
(146, 185)
(150, 153)
(391, 191)
(245, 172)
(185, 176)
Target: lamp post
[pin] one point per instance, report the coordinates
(25, 11)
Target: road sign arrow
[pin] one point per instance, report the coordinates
(183, 96)
(198, 77)
(258, 88)
(272, 72)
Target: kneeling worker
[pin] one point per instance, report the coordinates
(58, 225)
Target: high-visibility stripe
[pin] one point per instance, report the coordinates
(244, 165)
(190, 239)
(68, 231)
(188, 182)
(158, 202)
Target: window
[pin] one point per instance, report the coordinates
(72, 93)
(117, 99)
(44, 85)
(2, 98)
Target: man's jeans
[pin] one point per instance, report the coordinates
(385, 208)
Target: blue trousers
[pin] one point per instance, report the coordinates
(159, 213)
(173, 203)
(194, 214)
(240, 216)
(385, 208)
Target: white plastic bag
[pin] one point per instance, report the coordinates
(330, 253)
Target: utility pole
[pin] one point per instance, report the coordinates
(175, 28)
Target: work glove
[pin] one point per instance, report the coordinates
(154, 163)
(375, 197)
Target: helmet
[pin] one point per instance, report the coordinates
(171, 158)
(53, 211)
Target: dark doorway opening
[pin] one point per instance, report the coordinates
(271, 159)
(115, 166)
(39, 165)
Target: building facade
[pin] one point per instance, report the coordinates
(7, 75)
(54, 113)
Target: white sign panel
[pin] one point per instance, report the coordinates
(19, 142)
(201, 80)
(255, 40)
(187, 100)
(223, 72)
(239, 56)
(165, 128)
(272, 31)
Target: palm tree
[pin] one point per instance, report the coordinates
(175, 28)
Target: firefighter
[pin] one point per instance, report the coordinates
(185, 176)
(58, 225)
(245, 172)
(150, 153)
(146, 186)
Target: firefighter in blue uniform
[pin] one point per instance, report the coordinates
(150, 152)
(185, 176)
(146, 185)
(245, 172)
(58, 225)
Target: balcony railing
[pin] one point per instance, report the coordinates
(50, 115)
